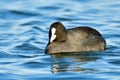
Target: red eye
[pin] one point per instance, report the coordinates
(58, 31)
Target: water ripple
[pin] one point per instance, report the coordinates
(24, 13)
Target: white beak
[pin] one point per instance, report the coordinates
(53, 36)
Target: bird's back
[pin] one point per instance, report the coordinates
(85, 39)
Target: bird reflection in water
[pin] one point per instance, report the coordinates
(74, 62)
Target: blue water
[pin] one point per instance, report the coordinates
(24, 26)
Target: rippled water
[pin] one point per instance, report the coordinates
(24, 26)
